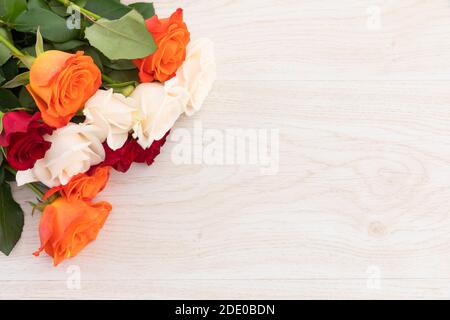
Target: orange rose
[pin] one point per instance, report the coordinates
(67, 226)
(61, 83)
(171, 36)
(83, 186)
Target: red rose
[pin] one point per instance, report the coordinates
(22, 137)
(122, 158)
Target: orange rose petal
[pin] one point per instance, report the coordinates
(68, 226)
(61, 83)
(171, 36)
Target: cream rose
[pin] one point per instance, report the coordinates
(157, 111)
(113, 114)
(75, 148)
(197, 74)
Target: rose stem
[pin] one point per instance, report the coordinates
(32, 187)
(8, 24)
(11, 47)
(108, 79)
(85, 12)
(25, 58)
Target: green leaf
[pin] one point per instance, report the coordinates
(21, 80)
(37, 4)
(147, 10)
(25, 99)
(108, 9)
(5, 53)
(2, 76)
(94, 54)
(58, 8)
(119, 64)
(10, 69)
(10, 9)
(124, 76)
(11, 220)
(8, 175)
(69, 45)
(61, 9)
(52, 26)
(39, 47)
(8, 100)
(126, 38)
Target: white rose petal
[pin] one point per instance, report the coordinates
(157, 111)
(75, 148)
(113, 114)
(197, 74)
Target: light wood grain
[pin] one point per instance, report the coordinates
(363, 188)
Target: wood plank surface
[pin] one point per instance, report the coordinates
(358, 206)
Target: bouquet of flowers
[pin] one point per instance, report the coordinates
(87, 86)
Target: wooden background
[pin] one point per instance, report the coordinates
(360, 205)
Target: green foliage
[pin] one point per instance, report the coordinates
(95, 55)
(5, 53)
(52, 26)
(25, 99)
(124, 76)
(10, 69)
(69, 45)
(37, 4)
(107, 9)
(10, 9)
(113, 9)
(61, 10)
(8, 100)
(118, 64)
(11, 218)
(20, 80)
(125, 38)
(147, 10)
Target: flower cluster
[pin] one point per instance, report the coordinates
(92, 109)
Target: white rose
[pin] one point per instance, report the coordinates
(197, 74)
(157, 111)
(75, 148)
(113, 114)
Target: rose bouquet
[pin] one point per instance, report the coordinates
(87, 87)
